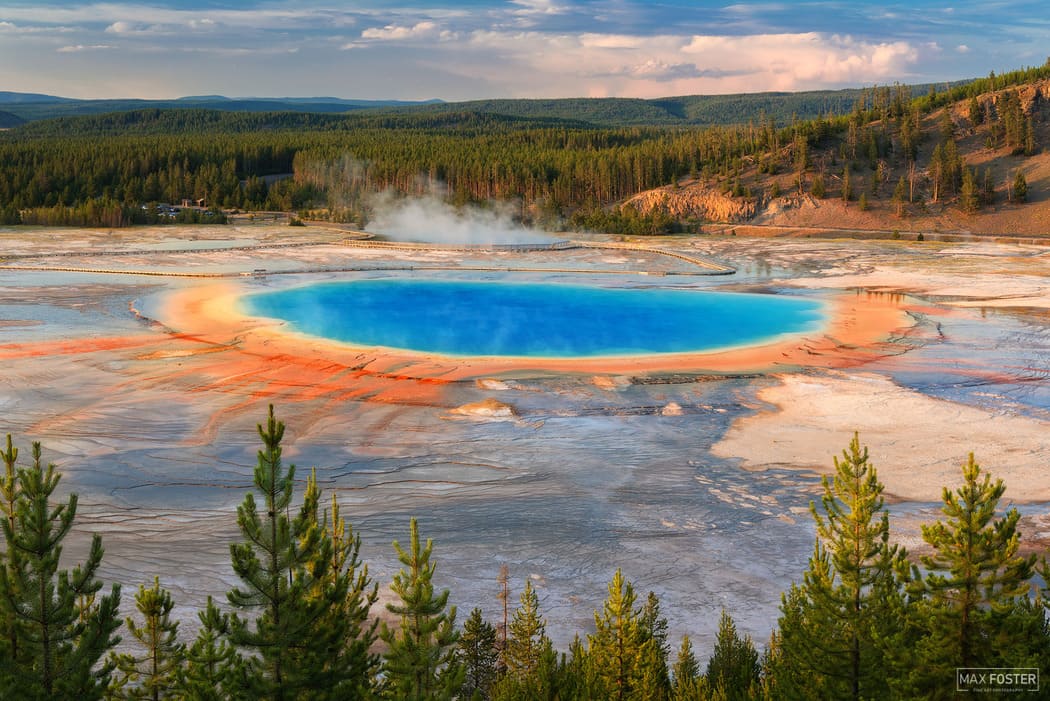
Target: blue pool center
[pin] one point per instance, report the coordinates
(534, 319)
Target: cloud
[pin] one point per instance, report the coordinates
(538, 7)
(654, 66)
(80, 47)
(532, 13)
(123, 27)
(205, 24)
(662, 72)
(531, 48)
(394, 32)
(12, 28)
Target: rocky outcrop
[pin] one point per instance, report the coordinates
(694, 201)
(1034, 97)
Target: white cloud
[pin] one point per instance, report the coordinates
(654, 66)
(661, 71)
(12, 28)
(963, 49)
(123, 27)
(539, 7)
(394, 32)
(80, 47)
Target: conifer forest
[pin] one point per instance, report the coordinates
(865, 620)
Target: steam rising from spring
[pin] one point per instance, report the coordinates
(428, 219)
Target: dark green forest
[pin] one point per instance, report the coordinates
(690, 110)
(865, 620)
(103, 169)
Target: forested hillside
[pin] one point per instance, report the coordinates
(8, 120)
(864, 621)
(102, 169)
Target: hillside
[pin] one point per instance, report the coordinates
(8, 120)
(690, 110)
(877, 164)
(31, 107)
(954, 160)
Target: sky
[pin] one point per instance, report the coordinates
(423, 49)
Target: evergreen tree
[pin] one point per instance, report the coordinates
(528, 636)
(654, 628)
(353, 660)
(213, 668)
(421, 660)
(976, 112)
(969, 197)
(9, 625)
(733, 667)
(478, 656)
(686, 680)
(988, 195)
(579, 678)
(975, 587)
(618, 649)
(839, 622)
(153, 675)
(63, 632)
(299, 634)
(1019, 189)
(817, 189)
(769, 668)
(900, 193)
(1028, 137)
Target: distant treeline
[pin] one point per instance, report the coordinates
(555, 170)
(863, 621)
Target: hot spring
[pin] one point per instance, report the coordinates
(534, 320)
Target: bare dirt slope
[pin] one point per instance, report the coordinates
(708, 200)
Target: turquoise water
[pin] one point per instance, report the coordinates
(535, 320)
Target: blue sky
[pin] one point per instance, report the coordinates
(424, 49)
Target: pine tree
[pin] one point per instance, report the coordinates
(355, 661)
(213, 668)
(421, 661)
(969, 197)
(299, 635)
(579, 678)
(528, 636)
(686, 673)
(478, 656)
(899, 194)
(733, 667)
(988, 193)
(654, 628)
(10, 652)
(838, 623)
(63, 632)
(975, 584)
(1019, 189)
(976, 112)
(1028, 137)
(616, 648)
(153, 675)
(817, 189)
(769, 669)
